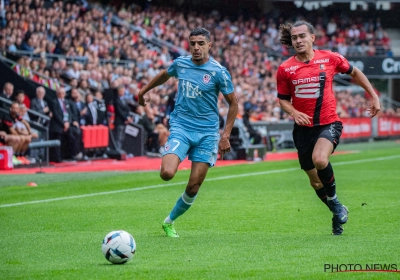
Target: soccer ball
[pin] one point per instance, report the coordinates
(118, 247)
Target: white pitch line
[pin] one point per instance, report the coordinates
(183, 183)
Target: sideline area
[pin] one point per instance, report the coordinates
(135, 164)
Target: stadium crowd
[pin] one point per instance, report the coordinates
(66, 44)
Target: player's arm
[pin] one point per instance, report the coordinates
(224, 145)
(298, 117)
(159, 79)
(360, 79)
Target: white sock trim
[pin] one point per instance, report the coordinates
(168, 220)
(331, 198)
(187, 199)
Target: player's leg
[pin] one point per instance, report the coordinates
(169, 166)
(325, 145)
(315, 182)
(175, 151)
(304, 138)
(197, 176)
(186, 200)
(320, 157)
(328, 139)
(203, 155)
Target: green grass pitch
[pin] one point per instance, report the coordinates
(253, 221)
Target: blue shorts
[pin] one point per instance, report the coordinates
(199, 146)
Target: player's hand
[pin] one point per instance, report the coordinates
(224, 147)
(374, 108)
(301, 118)
(141, 99)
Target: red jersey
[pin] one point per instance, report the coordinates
(309, 85)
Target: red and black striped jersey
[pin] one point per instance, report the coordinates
(309, 85)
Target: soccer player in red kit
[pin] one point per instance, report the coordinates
(305, 93)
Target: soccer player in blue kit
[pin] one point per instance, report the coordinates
(194, 123)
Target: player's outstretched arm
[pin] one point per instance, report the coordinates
(224, 146)
(159, 79)
(360, 79)
(298, 117)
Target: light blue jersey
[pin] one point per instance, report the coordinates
(196, 107)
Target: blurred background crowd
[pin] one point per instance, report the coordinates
(84, 51)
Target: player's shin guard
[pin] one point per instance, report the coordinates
(328, 180)
(181, 206)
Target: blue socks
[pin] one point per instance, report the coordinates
(181, 206)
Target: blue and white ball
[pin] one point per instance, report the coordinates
(118, 247)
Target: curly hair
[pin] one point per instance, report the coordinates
(286, 36)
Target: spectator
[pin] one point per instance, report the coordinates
(84, 86)
(91, 115)
(7, 93)
(23, 112)
(21, 99)
(60, 129)
(254, 135)
(74, 72)
(94, 81)
(352, 49)
(39, 105)
(9, 126)
(101, 108)
(331, 27)
(79, 107)
(22, 124)
(13, 141)
(11, 47)
(132, 96)
(371, 49)
(157, 133)
(241, 45)
(122, 117)
(78, 111)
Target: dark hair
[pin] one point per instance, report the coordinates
(285, 35)
(201, 31)
(87, 95)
